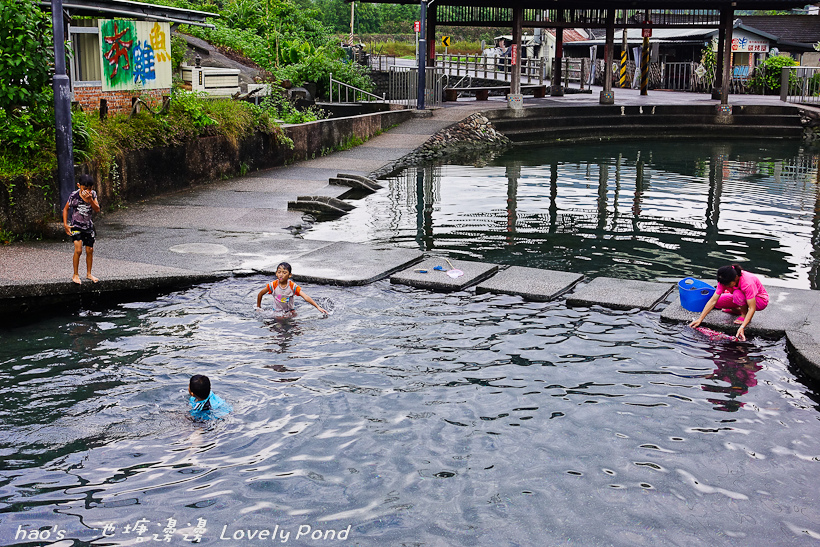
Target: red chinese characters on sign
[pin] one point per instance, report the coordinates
(119, 48)
(514, 55)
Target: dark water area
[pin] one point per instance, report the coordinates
(636, 210)
(404, 418)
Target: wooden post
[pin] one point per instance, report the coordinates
(515, 77)
(727, 56)
(607, 95)
(556, 87)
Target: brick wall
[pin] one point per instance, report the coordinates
(118, 101)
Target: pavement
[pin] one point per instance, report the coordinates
(242, 226)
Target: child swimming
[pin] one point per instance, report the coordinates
(205, 404)
(738, 292)
(284, 291)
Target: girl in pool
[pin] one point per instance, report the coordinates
(738, 292)
(284, 291)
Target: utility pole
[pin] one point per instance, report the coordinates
(62, 107)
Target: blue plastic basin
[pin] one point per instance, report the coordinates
(694, 294)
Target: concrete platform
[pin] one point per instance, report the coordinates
(804, 347)
(530, 283)
(620, 294)
(350, 264)
(474, 272)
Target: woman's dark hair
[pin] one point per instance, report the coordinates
(727, 274)
(285, 265)
(200, 386)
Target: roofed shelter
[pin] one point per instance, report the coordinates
(601, 14)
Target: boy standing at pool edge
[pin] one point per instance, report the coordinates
(81, 203)
(284, 291)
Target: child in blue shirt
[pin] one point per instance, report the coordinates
(205, 404)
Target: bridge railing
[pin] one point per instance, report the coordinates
(800, 84)
(497, 68)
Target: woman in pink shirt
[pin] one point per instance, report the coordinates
(738, 292)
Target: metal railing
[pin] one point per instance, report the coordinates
(496, 68)
(403, 85)
(380, 63)
(800, 84)
(352, 94)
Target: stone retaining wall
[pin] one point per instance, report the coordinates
(31, 205)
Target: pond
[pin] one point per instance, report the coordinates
(408, 417)
(637, 210)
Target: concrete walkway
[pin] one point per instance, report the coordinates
(242, 226)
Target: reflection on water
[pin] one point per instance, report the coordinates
(634, 210)
(409, 417)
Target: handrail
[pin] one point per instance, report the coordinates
(357, 92)
(481, 66)
(800, 84)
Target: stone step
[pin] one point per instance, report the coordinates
(636, 110)
(364, 180)
(639, 131)
(426, 276)
(320, 204)
(354, 183)
(508, 126)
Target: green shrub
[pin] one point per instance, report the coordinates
(767, 76)
(26, 54)
(279, 107)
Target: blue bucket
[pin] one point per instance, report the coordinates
(694, 294)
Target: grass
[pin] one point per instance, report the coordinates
(189, 116)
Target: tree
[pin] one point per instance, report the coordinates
(25, 54)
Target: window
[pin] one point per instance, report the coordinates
(85, 63)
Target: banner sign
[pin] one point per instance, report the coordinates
(135, 54)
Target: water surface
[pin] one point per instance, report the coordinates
(410, 417)
(637, 210)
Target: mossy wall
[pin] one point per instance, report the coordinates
(28, 206)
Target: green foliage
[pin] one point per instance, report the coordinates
(767, 76)
(178, 48)
(319, 66)
(369, 18)
(191, 105)
(708, 56)
(25, 53)
(279, 107)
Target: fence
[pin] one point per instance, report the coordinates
(800, 84)
(351, 94)
(380, 63)
(403, 85)
(498, 68)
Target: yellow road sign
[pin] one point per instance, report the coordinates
(445, 41)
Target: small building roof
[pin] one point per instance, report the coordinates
(133, 10)
(802, 29)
